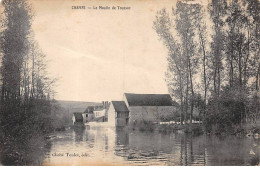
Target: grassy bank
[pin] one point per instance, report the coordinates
(149, 126)
(198, 129)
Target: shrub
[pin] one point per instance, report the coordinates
(144, 125)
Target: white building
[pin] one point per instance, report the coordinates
(118, 114)
(140, 107)
(149, 107)
(99, 114)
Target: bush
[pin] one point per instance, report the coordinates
(144, 125)
(225, 113)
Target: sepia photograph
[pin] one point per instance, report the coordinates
(129, 83)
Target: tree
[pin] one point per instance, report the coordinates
(217, 11)
(185, 27)
(175, 75)
(225, 49)
(182, 60)
(203, 51)
(14, 49)
(25, 103)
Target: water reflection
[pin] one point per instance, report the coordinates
(183, 149)
(160, 149)
(78, 134)
(29, 152)
(104, 146)
(122, 138)
(232, 151)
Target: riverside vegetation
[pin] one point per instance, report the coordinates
(213, 70)
(28, 111)
(213, 62)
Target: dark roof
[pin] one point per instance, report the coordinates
(90, 109)
(149, 99)
(78, 116)
(99, 108)
(120, 106)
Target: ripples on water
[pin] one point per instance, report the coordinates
(103, 146)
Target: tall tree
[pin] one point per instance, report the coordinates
(217, 11)
(14, 48)
(182, 60)
(185, 26)
(175, 75)
(203, 51)
(25, 101)
(225, 48)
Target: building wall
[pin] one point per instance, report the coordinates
(87, 119)
(84, 117)
(115, 120)
(120, 122)
(121, 119)
(99, 113)
(151, 113)
(73, 119)
(111, 116)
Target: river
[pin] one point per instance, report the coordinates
(105, 146)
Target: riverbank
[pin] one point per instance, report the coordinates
(144, 126)
(247, 130)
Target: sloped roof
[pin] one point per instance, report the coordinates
(99, 109)
(89, 109)
(78, 116)
(76, 106)
(148, 99)
(120, 106)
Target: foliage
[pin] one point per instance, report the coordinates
(144, 125)
(227, 111)
(170, 117)
(26, 107)
(219, 45)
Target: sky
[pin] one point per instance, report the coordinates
(101, 54)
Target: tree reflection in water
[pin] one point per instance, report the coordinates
(185, 149)
(105, 146)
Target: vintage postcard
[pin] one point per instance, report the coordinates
(129, 83)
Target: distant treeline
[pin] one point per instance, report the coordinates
(27, 105)
(213, 60)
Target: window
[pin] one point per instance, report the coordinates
(119, 114)
(86, 115)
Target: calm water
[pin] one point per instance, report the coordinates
(101, 146)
